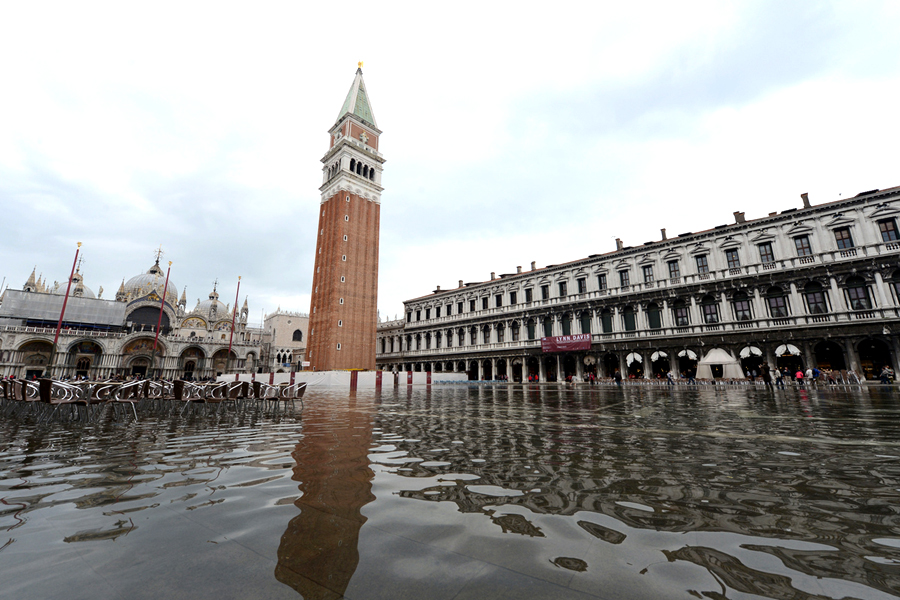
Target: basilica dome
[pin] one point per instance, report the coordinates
(78, 289)
(206, 307)
(153, 280)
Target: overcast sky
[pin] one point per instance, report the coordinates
(513, 132)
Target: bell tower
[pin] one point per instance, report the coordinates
(343, 310)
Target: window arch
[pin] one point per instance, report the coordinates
(298, 336)
(858, 294)
(352, 164)
(654, 316)
(816, 301)
(777, 303)
(741, 305)
(681, 313)
(606, 324)
(710, 309)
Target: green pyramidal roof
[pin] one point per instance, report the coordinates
(357, 101)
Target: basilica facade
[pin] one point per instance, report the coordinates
(814, 286)
(101, 338)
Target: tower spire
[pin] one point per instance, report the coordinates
(357, 101)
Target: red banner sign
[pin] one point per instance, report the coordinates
(566, 343)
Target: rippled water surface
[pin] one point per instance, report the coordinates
(458, 493)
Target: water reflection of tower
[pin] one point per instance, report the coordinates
(318, 552)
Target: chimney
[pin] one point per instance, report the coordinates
(532, 265)
(805, 200)
(739, 217)
(663, 232)
(438, 289)
(518, 269)
(493, 275)
(619, 244)
(460, 283)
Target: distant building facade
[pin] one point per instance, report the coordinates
(101, 338)
(343, 309)
(284, 337)
(817, 286)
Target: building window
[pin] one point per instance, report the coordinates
(437, 339)
(624, 279)
(345, 238)
(427, 313)
(582, 285)
(681, 313)
(703, 264)
(501, 332)
(562, 289)
(765, 253)
(298, 336)
(418, 315)
(341, 301)
(339, 346)
(741, 304)
(566, 323)
(548, 327)
(409, 317)
(606, 321)
(648, 273)
(437, 312)
(777, 303)
(346, 217)
(344, 257)
(654, 316)
(710, 310)
(473, 336)
(449, 338)
(858, 294)
(484, 303)
(418, 342)
(512, 297)
(514, 331)
(545, 292)
(340, 323)
(531, 329)
(486, 335)
(888, 229)
(628, 319)
(342, 281)
(801, 242)
(585, 322)
(529, 295)
(459, 308)
(732, 258)
(601, 282)
(674, 269)
(471, 306)
(498, 300)
(843, 238)
(815, 299)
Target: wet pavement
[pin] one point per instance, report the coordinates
(458, 492)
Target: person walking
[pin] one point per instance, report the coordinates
(766, 375)
(671, 378)
(618, 377)
(799, 377)
(779, 378)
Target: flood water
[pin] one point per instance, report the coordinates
(457, 492)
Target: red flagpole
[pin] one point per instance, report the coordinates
(162, 303)
(233, 315)
(66, 299)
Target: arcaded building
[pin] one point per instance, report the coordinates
(101, 338)
(343, 310)
(813, 286)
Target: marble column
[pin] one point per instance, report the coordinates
(852, 357)
(579, 367)
(542, 369)
(648, 364)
